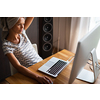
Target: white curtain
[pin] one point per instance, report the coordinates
(79, 27)
(68, 30)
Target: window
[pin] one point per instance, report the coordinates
(93, 22)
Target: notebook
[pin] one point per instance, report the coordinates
(54, 66)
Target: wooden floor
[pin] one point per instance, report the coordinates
(4, 82)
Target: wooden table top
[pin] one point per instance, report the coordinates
(62, 78)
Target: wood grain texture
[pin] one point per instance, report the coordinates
(62, 78)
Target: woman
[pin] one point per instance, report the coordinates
(18, 48)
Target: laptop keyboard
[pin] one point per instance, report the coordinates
(56, 67)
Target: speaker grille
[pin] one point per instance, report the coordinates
(47, 37)
(47, 19)
(47, 27)
(47, 46)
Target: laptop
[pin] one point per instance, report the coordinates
(54, 66)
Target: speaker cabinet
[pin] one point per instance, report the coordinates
(45, 36)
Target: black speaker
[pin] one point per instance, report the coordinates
(45, 36)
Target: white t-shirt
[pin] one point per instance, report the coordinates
(24, 51)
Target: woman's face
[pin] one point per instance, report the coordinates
(19, 26)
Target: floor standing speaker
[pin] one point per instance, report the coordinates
(45, 36)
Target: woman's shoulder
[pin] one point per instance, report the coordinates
(5, 42)
(7, 47)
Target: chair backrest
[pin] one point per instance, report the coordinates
(13, 70)
(35, 47)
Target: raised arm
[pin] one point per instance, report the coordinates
(28, 21)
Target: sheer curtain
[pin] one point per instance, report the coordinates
(68, 30)
(78, 28)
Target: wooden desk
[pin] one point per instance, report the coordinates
(62, 78)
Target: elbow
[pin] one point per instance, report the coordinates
(20, 69)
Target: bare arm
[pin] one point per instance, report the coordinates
(25, 71)
(28, 21)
